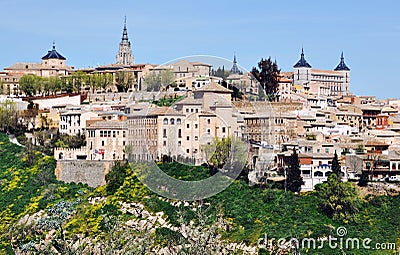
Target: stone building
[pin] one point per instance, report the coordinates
(73, 120)
(323, 82)
(106, 140)
(182, 131)
(52, 64)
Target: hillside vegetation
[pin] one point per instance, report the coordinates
(39, 215)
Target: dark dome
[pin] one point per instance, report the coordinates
(53, 54)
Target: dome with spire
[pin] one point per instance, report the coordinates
(342, 66)
(302, 62)
(53, 54)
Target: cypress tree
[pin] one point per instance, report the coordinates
(336, 168)
(294, 180)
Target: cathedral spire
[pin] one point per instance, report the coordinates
(125, 33)
(124, 56)
(234, 69)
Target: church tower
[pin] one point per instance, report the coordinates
(302, 71)
(345, 71)
(124, 56)
(234, 69)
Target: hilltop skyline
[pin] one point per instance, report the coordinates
(367, 35)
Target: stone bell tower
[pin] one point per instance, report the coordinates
(124, 56)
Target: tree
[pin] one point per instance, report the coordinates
(8, 116)
(336, 168)
(152, 81)
(268, 77)
(294, 180)
(66, 84)
(364, 179)
(220, 72)
(338, 200)
(360, 148)
(102, 80)
(115, 178)
(354, 163)
(2, 89)
(217, 153)
(77, 79)
(124, 80)
(167, 78)
(29, 84)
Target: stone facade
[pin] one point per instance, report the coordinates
(85, 171)
(125, 56)
(322, 82)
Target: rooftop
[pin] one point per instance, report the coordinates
(302, 62)
(53, 54)
(214, 87)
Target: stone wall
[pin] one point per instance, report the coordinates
(85, 171)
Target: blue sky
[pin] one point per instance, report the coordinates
(88, 33)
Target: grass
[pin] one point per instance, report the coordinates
(253, 212)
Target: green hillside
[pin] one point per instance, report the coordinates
(39, 215)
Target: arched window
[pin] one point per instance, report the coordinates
(328, 173)
(165, 121)
(178, 121)
(172, 121)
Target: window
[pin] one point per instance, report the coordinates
(101, 133)
(187, 138)
(165, 121)
(187, 126)
(326, 150)
(196, 138)
(195, 125)
(208, 131)
(187, 150)
(179, 143)
(165, 133)
(179, 133)
(318, 174)
(102, 143)
(123, 134)
(164, 143)
(178, 121)
(172, 121)
(223, 129)
(208, 121)
(114, 134)
(197, 110)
